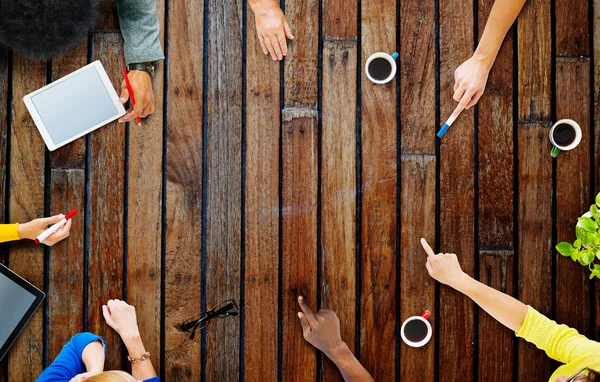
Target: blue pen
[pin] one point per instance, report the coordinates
(446, 126)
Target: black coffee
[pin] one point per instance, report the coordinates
(563, 134)
(380, 69)
(415, 330)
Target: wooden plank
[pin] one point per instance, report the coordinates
(301, 64)
(4, 83)
(223, 189)
(65, 294)
(456, 316)
(339, 20)
(496, 167)
(299, 236)
(535, 64)
(73, 154)
(572, 192)
(378, 221)
(572, 28)
(27, 203)
(535, 236)
(417, 289)
(108, 17)
(262, 213)
(496, 269)
(338, 190)
(184, 189)
(107, 200)
(596, 124)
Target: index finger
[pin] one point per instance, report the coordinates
(427, 248)
(308, 313)
(464, 101)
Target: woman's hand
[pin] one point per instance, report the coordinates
(320, 329)
(470, 79)
(34, 228)
(121, 316)
(443, 267)
(272, 28)
(141, 84)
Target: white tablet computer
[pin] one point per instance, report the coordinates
(74, 105)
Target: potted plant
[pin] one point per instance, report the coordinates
(586, 249)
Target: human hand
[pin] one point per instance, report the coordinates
(443, 267)
(121, 316)
(272, 28)
(84, 376)
(141, 84)
(321, 329)
(470, 79)
(34, 228)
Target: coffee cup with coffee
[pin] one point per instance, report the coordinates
(381, 67)
(416, 330)
(565, 135)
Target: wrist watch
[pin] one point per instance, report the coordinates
(149, 68)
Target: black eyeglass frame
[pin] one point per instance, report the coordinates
(576, 375)
(200, 321)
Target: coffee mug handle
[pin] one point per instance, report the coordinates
(554, 152)
(426, 314)
(395, 55)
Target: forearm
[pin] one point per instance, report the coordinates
(507, 310)
(93, 357)
(140, 370)
(348, 365)
(257, 4)
(502, 16)
(141, 30)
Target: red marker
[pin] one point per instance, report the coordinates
(130, 90)
(44, 235)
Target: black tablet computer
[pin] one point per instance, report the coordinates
(18, 302)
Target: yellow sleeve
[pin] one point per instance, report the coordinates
(9, 232)
(560, 342)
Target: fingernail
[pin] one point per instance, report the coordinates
(299, 316)
(301, 298)
(122, 99)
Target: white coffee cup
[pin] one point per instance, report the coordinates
(391, 59)
(423, 317)
(556, 148)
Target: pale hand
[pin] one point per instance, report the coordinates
(470, 79)
(84, 376)
(34, 228)
(121, 316)
(320, 329)
(272, 29)
(443, 267)
(141, 84)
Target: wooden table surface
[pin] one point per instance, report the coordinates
(258, 180)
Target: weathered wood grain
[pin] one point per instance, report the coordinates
(27, 203)
(145, 215)
(535, 234)
(262, 213)
(223, 189)
(301, 63)
(596, 127)
(379, 176)
(417, 76)
(535, 64)
(338, 190)
(66, 268)
(496, 269)
(572, 192)
(417, 288)
(299, 238)
(456, 316)
(108, 17)
(184, 189)
(4, 84)
(572, 28)
(496, 167)
(339, 20)
(107, 200)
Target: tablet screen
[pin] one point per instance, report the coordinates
(15, 302)
(74, 105)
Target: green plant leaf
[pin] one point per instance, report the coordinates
(565, 248)
(575, 255)
(597, 267)
(577, 244)
(597, 253)
(588, 224)
(594, 238)
(586, 257)
(598, 199)
(595, 212)
(583, 236)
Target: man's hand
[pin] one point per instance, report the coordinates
(321, 329)
(141, 84)
(272, 28)
(34, 228)
(121, 316)
(443, 267)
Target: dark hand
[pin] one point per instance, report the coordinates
(141, 84)
(321, 329)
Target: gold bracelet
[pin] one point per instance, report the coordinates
(142, 358)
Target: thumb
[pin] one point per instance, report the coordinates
(124, 93)
(288, 30)
(52, 219)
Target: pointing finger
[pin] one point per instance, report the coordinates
(308, 313)
(427, 248)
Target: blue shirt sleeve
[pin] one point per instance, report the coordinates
(69, 363)
(155, 379)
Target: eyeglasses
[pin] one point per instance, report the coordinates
(200, 321)
(576, 376)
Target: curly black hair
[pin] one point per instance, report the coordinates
(44, 29)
